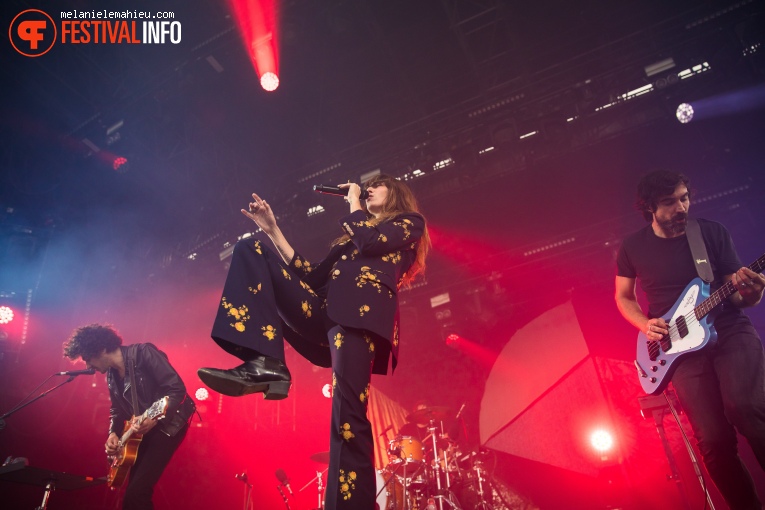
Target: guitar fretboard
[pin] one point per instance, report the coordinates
(724, 291)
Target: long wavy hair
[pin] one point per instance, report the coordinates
(400, 200)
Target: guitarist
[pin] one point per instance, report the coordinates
(100, 347)
(722, 386)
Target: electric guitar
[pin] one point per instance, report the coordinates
(123, 460)
(690, 329)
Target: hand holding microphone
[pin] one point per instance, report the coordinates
(349, 190)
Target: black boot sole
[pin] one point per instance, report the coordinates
(233, 386)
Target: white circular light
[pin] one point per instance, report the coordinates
(269, 81)
(326, 390)
(202, 394)
(6, 314)
(602, 440)
(684, 113)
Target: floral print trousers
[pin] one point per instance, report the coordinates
(262, 300)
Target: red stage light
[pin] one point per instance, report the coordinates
(120, 164)
(6, 314)
(452, 339)
(269, 81)
(257, 22)
(601, 440)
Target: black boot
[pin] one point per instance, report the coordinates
(265, 374)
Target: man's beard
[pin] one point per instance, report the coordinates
(675, 225)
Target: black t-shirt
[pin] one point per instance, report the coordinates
(664, 266)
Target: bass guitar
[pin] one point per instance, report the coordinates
(691, 329)
(123, 460)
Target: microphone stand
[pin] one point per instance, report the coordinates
(21, 406)
(284, 496)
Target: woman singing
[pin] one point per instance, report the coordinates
(342, 312)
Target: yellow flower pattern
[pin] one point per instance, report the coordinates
(306, 308)
(256, 289)
(257, 248)
(364, 309)
(345, 431)
(338, 340)
(364, 396)
(347, 484)
(239, 315)
(369, 342)
(334, 382)
(393, 257)
(368, 277)
(306, 287)
(405, 224)
(302, 265)
(286, 274)
(269, 332)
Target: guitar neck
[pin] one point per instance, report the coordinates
(725, 291)
(129, 431)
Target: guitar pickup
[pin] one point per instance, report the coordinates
(653, 349)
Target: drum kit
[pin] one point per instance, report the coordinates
(429, 474)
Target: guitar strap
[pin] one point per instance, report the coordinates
(699, 251)
(131, 367)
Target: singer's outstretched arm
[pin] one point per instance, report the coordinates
(260, 212)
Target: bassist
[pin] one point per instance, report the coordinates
(100, 347)
(722, 386)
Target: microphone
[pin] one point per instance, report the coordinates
(386, 430)
(89, 371)
(340, 192)
(282, 477)
(242, 477)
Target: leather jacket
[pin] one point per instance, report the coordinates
(156, 378)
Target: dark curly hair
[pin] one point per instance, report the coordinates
(89, 341)
(655, 185)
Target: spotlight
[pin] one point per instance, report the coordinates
(269, 81)
(202, 394)
(684, 113)
(6, 314)
(452, 339)
(120, 164)
(601, 440)
(326, 390)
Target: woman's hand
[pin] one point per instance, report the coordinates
(354, 195)
(260, 212)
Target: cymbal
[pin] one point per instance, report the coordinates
(423, 416)
(320, 457)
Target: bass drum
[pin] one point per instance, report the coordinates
(391, 493)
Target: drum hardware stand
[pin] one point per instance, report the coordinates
(319, 488)
(657, 405)
(482, 504)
